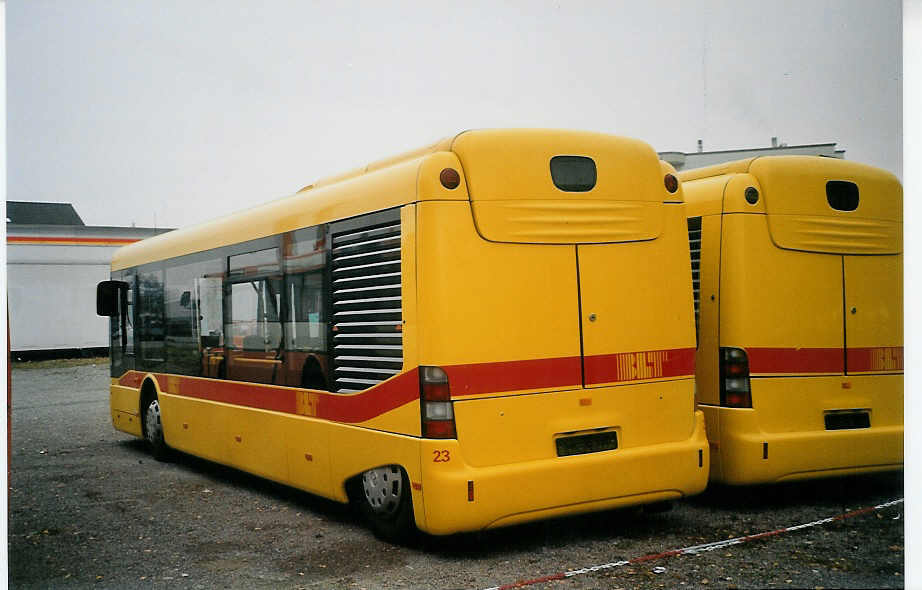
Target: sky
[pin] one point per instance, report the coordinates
(168, 113)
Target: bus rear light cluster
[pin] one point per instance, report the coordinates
(734, 378)
(435, 397)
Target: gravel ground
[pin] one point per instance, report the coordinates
(88, 506)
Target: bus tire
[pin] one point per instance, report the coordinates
(152, 426)
(383, 495)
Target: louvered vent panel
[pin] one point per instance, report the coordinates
(367, 318)
(694, 246)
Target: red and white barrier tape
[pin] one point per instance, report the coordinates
(694, 549)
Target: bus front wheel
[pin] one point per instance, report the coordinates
(153, 430)
(383, 493)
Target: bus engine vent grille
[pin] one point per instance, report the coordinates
(367, 321)
(694, 246)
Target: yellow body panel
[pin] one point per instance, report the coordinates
(512, 164)
(522, 428)
(776, 298)
(459, 276)
(786, 279)
(614, 318)
(774, 442)
(874, 308)
(567, 221)
(124, 407)
(519, 492)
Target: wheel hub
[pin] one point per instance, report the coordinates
(383, 488)
(152, 426)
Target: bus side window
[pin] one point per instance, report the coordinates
(255, 315)
(307, 330)
(210, 310)
(127, 310)
(150, 319)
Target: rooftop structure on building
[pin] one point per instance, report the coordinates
(27, 213)
(700, 158)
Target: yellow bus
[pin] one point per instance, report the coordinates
(494, 329)
(797, 269)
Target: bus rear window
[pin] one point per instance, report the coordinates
(842, 195)
(573, 173)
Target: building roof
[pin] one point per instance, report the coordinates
(686, 160)
(21, 212)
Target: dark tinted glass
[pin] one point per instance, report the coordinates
(842, 195)
(573, 173)
(192, 305)
(121, 326)
(150, 321)
(260, 311)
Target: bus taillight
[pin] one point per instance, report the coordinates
(734, 378)
(437, 412)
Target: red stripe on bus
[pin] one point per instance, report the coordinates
(875, 359)
(131, 379)
(371, 403)
(795, 360)
(640, 365)
(481, 378)
(351, 408)
(471, 379)
(232, 392)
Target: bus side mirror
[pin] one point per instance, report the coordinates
(107, 295)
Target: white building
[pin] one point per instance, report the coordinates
(687, 161)
(54, 262)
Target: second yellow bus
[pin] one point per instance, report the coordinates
(797, 267)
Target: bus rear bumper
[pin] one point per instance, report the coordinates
(743, 454)
(458, 497)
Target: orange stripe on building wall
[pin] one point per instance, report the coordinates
(55, 241)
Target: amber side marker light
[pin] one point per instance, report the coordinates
(450, 178)
(671, 182)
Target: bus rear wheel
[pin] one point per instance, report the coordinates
(153, 430)
(383, 493)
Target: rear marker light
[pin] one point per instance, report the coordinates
(752, 195)
(450, 178)
(470, 491)
(671, 182)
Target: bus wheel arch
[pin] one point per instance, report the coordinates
(151, 422)
(382, 495)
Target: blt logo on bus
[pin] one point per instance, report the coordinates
(633, 366)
